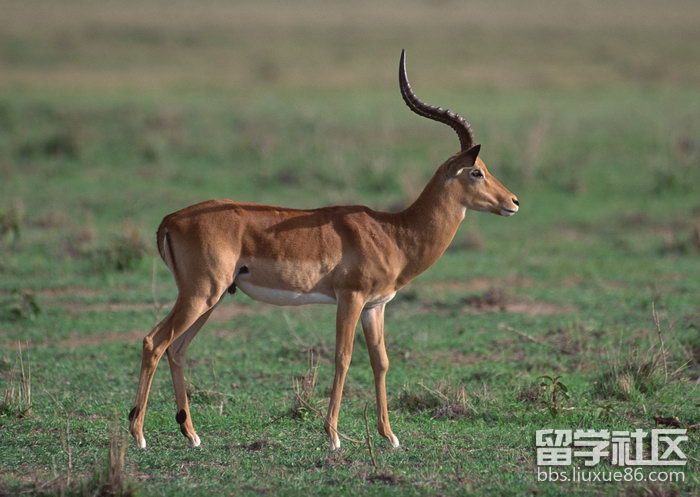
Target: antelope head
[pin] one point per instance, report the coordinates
(465, 174)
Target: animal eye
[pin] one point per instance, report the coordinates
(476, 173)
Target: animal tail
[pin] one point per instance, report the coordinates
(165, 245)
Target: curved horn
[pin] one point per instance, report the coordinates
(446, 116)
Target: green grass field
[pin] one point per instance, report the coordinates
(114, 115)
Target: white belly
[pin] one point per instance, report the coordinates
(379, 300)
(282, 297)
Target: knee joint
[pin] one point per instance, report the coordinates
(342, 361)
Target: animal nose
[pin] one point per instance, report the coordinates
(515, 201)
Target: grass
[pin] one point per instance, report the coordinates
(17, 399)
(112, 118)
(303, 388)
(122, 253)
(106, 479)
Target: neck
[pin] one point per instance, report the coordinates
(427, 226)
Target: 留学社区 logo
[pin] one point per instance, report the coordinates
(618, 448)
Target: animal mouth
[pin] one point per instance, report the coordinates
(508, 212)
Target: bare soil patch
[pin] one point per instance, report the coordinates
(78, 307)
(229, 310)
(537, 308)
(74, 341)
(61, 297)
(222, 314)
(68, 291)
(494, 300)
(479, 284)
(61, 292)
(490, 295)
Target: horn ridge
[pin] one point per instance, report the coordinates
(445, 116)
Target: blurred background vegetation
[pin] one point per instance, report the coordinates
(272, 101)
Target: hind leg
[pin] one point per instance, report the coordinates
(176, 358)
(185, 313)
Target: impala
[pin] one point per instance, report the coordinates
(350, 256)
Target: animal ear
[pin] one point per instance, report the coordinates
(462, 160)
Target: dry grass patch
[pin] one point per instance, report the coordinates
(631, 377)
(531, 393)
(17, 398)
(443, 401)
(255, 446)
(122, 253)
(494, 298)
(652, 490)
(303, 388)
(683, 241)
(638, 372)
(11, 221)
(573, 339)
(19, 305)
(107, 479)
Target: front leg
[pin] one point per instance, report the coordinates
(373, 328)
(349, 308)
